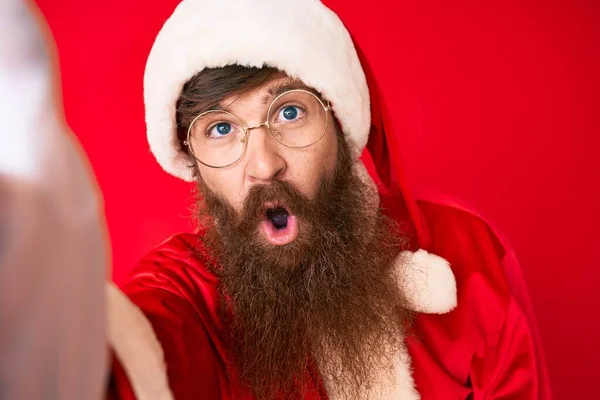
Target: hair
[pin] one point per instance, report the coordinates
(211, 85)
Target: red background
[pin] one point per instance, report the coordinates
(498, 103)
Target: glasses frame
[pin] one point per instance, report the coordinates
(247, 129)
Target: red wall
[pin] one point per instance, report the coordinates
(498, 103)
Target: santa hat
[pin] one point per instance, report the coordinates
(301, 37)
(308, 41)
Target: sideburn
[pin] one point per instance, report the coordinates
(328, 301)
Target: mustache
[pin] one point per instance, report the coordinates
(273, 195)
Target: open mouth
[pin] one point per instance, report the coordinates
(279, 225)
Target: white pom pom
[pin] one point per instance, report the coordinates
(427, 281)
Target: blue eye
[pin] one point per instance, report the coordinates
(289, 113)
(220, 129)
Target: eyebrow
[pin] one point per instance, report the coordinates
(284, 86)
(273, 91)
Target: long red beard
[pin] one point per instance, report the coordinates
(329, 299)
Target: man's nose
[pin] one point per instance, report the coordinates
(265, 163)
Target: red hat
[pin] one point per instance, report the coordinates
(308, 41)
(301, 37)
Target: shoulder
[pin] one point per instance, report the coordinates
(480, 332)
(492, 294)
(450, 217)
(176, 256)
(178, 266)
(474, 249)
(475, 254)
(175, 278)
(177, 294)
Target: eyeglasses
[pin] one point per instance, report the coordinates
(296, 119)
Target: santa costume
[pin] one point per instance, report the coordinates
(474, 335)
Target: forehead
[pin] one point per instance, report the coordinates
(265, 94)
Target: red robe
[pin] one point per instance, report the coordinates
(486, 347)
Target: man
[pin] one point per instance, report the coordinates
(305, 280)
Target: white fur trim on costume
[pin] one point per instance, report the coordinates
(399, 386)
(428, 282)
(403, 385)
(301, 37)
(133, 340)
(430, 287)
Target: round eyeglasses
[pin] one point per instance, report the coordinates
(296, 118)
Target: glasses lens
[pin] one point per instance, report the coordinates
(298, 119)
(216, 138)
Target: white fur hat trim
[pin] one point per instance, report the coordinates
(301, 37)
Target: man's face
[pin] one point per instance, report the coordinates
(329, 296)
(266, 160)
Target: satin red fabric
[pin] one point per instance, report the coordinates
(485, 348)
(489, 279)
